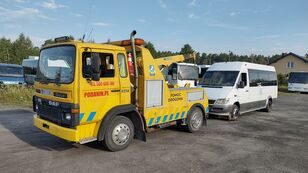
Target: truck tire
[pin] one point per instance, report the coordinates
(194, 119)
(268, 107)
(119, 133)
(234, 113)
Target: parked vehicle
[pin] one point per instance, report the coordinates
(202, 70)
(11, 74)
(178, 73)
(89, 91)
(298, 81)
(234, 88)
(30, 66)
(182, 74)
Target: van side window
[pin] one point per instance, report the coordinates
(122, 65)
(265, 78)
(244, 78)
(106, 68)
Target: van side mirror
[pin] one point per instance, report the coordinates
(96, 63)
(241, 84)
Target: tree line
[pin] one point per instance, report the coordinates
(14, 52)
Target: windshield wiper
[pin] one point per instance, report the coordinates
(58, 77)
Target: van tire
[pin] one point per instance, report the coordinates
(234, 113)
(268, 107)
(194, 120)
(119, 134)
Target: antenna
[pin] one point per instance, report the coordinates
(90, 33)
(87, 21)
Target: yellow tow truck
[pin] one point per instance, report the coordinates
(111, 92)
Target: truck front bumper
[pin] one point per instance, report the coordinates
(56, 130)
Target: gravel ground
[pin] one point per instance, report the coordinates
(257, 142)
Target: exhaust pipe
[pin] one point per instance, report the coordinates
(132, 39)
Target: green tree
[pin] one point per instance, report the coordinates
(151, 48)
(186, 49)
(5, 50)
(22, 48)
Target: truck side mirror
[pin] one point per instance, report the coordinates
(241, 84)
(96, 63)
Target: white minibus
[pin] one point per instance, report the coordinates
(234, 88)
(298, 81)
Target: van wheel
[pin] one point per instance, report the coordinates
(234, 113)
(119, 134)
(268, 107)
(194, 120)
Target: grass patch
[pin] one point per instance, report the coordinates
(16, 95)
(283, 88)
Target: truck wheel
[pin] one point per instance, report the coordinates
(234, 113)
(119, 134)
(268, 107)
(194, 120)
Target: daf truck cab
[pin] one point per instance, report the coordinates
(234, 88)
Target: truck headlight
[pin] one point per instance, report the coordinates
(68, 116)
(221, 101)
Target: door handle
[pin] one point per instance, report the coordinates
(246, 90)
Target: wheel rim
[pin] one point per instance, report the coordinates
(235, 113)
(269, 105)
(121, 134)
(196, 120)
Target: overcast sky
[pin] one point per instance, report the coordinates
(212, 26)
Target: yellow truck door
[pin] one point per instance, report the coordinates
(98, 97)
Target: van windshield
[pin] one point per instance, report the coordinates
(219, 78)
(298, 78)
(11, 71)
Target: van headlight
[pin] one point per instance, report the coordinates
(221, 101)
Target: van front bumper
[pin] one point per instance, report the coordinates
(56, 130)
(222, 110)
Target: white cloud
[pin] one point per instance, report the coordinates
(8, 15)
(51, 4)
(162, 4)
(101, 24)
(142, 20)
(193, 3)
(76, 14)
(234, 13)
(267, 37)
(227, 26)
(193, 16)
(19, 1)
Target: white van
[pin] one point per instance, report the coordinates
(234, 88)
(298, 81)
(202, 70)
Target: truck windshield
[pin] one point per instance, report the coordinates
(219, 78)
(56, 65)
(11, 71)
(188, 72)
(298, 78)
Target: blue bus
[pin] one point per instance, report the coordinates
(11, 74)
